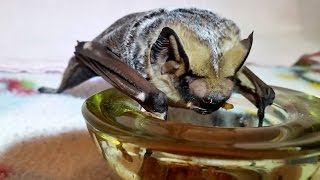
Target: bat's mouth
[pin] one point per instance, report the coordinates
(205, 108)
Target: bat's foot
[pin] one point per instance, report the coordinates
(265, 99)
(47, 90)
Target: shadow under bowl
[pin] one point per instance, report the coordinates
(226, 144)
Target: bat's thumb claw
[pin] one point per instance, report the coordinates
(260, 113)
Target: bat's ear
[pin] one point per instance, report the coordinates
(168, 55)
(234, 58)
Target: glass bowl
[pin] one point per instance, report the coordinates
(226, 144)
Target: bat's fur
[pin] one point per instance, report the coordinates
(211, 44)
(204, 35)
(132, 36)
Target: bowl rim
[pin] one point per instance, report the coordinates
(274, 149)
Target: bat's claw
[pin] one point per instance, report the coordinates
(266, 97)
(256, 91)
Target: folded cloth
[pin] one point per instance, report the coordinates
(44, 136)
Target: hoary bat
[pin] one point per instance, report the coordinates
(183, 57)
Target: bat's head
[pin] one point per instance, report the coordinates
(185, 69)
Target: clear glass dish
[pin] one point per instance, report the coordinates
(224, 145)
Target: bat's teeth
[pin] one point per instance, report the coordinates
(193, 106)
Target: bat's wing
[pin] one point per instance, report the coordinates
(255, 90)
(75, 74)
(110, 67)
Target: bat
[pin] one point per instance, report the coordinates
(184, 57)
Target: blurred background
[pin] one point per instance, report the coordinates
(39, 34)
